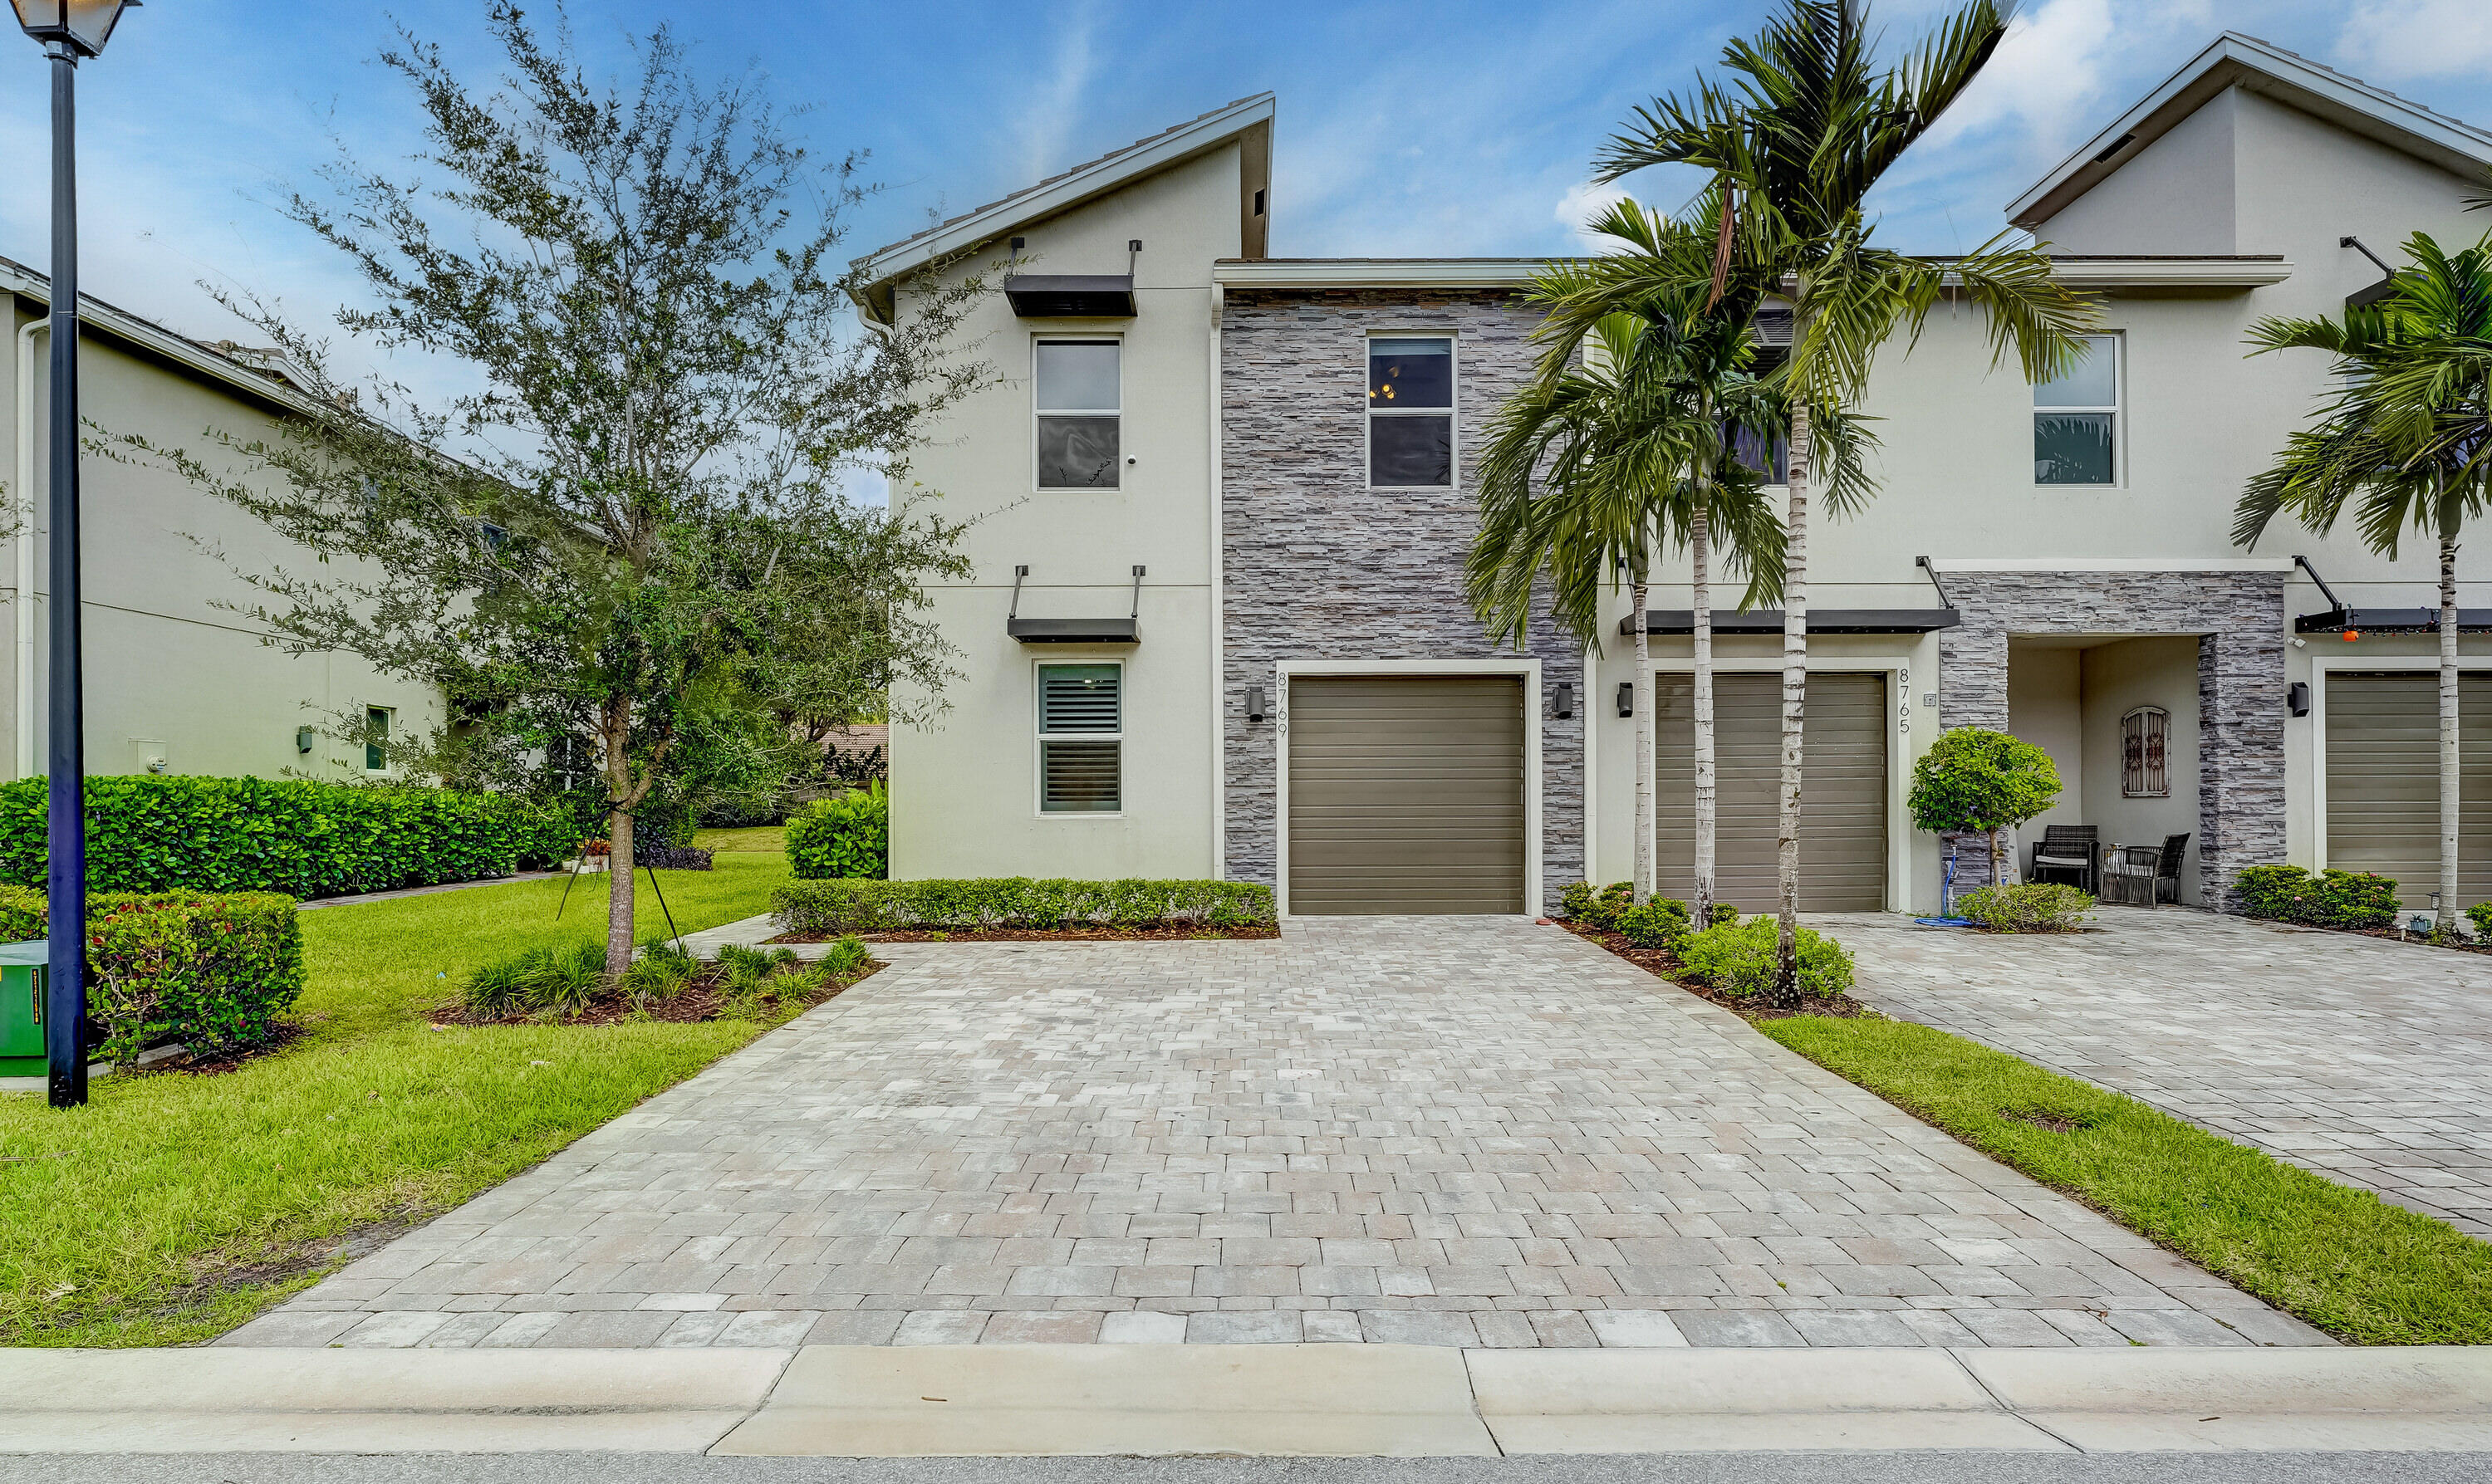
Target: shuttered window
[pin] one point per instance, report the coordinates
(1081, 738)
(2144, 742)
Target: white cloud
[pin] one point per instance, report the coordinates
(1582, 202)
(2046, 71)
(1047, 125)
(2417, 38)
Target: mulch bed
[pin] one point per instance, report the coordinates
(1091, 932)
(703, 999)
(284, 1034)
(1662, 965)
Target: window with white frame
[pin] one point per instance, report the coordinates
(1081, 739)
(1410, 411)
(2145, 744)
(2076, 418)
(1080, 404)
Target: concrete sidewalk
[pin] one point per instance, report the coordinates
(1303, 1401)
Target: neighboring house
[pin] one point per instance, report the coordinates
(1218, 626)
(174, 683)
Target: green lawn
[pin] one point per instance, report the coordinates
(172, 1207)
(2341, 1258)
(752, 837)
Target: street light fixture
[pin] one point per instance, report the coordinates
(69, 29)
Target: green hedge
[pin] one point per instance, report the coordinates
(2331, 898)
(842, 838)
(1741, 959)
(214, 972)
(847, 906)
(151, 834)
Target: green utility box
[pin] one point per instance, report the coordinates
(24, 971)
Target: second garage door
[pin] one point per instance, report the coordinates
(1843, 790)
(1405, 794)
(2384, 780)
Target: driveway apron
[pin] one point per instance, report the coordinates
(1446, 1131)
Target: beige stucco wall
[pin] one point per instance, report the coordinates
(2046, 707)
(168, 672)
(964, 788)
(2116, 679)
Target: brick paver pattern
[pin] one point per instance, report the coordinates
(2366, 1061)
(1474, 1132)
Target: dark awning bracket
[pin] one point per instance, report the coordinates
(1074, 631)
(2340, 619)
(1820, 621)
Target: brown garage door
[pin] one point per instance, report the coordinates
(2384, 781)
(1843, 790)
(1405, 794)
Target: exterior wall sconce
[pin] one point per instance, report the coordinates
(1255, 710)
(1626, 697)
(302, 739)
(2297, 699)
(1561, 701)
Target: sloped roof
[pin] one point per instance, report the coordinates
(1061, 191)
(2259, 67)
(262, 374)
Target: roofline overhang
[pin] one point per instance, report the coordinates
(1085, 183)
(2088, 272)
(122, 325)
(2234, 58)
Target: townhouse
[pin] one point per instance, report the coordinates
(1217, 625)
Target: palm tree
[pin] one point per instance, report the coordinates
(2405, 441)
(1793, 148)
(1626, 447)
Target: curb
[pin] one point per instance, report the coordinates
(1278, 1400)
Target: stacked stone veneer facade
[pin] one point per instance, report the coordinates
(2240, 620)
(1317, 567)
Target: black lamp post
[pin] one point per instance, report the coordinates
(69, 29)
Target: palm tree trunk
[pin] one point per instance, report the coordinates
(618, 835)
(1702, 596)
(2452, 784)
(1785, 994)
(1644, 748)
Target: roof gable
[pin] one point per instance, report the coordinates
(2257, 67)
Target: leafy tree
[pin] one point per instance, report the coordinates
(646, 526)
(1792, 147)
(2404, 440)
(1974, 780)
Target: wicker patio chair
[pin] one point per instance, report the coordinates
(2067, 850)
(2167, 871)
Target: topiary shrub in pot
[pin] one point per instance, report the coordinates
(1739, 958)
(2033, 907)
(1976, 782)
(846, 837)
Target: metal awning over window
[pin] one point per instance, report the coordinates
(1071, 296)
(1820, 621)
(1074, 631)
(2344, 620)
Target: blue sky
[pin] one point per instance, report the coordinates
(1448, 128)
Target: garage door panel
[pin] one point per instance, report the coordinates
(1843, 790)
(2384, 780)
(1405, 794)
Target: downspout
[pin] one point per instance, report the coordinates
(21, 600)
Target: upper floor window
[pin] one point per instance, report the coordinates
(1410, 412)
(2076, 419)
(1081, 738)
(2145, 765)
(1080, 396)
(377, 738)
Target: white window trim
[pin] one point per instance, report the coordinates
(2320, 666)
(1452, 412)
(1534, 847)
(1036, 412)
(1039, 738)
(2118, 409)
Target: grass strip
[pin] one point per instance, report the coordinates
(2341, 1258)
(174, 1208)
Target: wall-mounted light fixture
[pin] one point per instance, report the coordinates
(2297, 699)
(1626, 697)
(302, 739)
(1255, 709)
(1561, 701)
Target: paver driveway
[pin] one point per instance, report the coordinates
(1442, 1131)
(2367, 1060)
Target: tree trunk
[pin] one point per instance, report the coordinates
(1995, 878)
(2451, 786)
(1644, 748)
(1785, 994)
(1700, 595)
(618, 834)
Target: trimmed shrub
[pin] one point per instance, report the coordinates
(556, 983)
(847, 838)
(2332, 899)
(215, 972)
(672, 857)
(1659, 923)
(2033, 907)
(2481, 914)
(1737, 959)
(819, 908)
(1597, 908)
(158, 834)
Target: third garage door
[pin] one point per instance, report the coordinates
(1405, 794)
(2384, 780)
(1843, 790)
